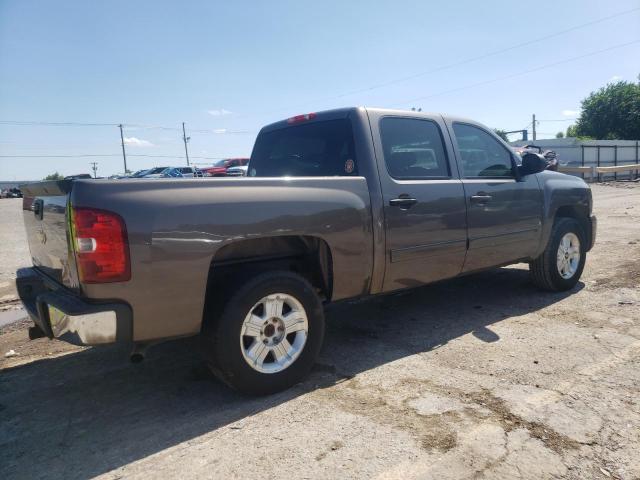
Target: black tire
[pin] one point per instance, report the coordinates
(222, 340)
(544, 269)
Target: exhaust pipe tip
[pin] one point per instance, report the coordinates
(139, 352)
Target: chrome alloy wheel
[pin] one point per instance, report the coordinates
(568, 258)
(274, 333)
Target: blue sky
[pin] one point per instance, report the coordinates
(230, 67)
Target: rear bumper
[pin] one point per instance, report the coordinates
(64, 315)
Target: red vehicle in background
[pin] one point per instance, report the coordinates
(219, 169)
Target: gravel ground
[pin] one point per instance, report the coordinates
(14, 251)
(479, 377)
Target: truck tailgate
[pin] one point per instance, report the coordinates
(44, 210)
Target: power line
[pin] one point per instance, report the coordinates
(218, 131)
(57, 124)
(353, 92)
(493, 53)
(459, 63)
(176, 156)
(64, 156)
(524, 72)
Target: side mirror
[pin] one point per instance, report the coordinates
(532, 163)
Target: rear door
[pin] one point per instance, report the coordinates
(424, 206)
(504, 214)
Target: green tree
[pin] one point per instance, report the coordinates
(611, 113)
(54, 176)
(501, 134)
(572, 132)
(560, 135)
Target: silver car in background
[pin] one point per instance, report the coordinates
(240, 171)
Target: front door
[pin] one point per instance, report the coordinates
(424, 206)
(504, 214)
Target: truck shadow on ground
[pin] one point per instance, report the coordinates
(85, 414)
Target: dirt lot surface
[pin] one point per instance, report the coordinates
(14, 251)
(480, 377)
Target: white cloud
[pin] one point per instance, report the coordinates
(219, 112)
(220, 130)
(137, 142)
(570, 113)
(615, 78)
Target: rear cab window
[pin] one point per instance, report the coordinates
(316, 149)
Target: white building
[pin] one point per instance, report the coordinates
(588, 153)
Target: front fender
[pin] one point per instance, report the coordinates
(567, 196)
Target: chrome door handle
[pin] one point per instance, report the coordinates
(480, 198)
(403, 202)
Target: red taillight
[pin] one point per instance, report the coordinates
(101, 246)
(301, 118)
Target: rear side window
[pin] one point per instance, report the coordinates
(413, 148)
(481, 155)
(315, 149)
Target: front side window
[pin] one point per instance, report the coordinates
(317, 149)
(481, 155)
(413, 148)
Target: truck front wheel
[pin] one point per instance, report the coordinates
(268, 335)
(561, 264)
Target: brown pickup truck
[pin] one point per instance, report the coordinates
(339, 204)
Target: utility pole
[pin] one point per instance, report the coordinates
(124, 154)
(186, 140)
(94, 167)
(534, 127)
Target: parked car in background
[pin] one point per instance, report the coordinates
(11, 193)
(79, 176)
(169, 172)
(189, 172)
(158, 172)
(337, 205)
(149, 171)
(219, 169)
(136, 174)
(240, 171)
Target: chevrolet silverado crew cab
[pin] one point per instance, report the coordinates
(336, 205)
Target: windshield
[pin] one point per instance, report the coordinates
(220, 163)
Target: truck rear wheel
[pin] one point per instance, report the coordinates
(268, 335)
(561, 264)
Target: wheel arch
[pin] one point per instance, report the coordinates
(308, 256)
(580, 213)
